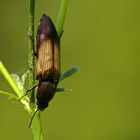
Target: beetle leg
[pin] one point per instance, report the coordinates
(31, 89)
(28, 92)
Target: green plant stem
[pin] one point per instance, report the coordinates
(9, 79)
(61, 17)
(36, 125)
(31, 58)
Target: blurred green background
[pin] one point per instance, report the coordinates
(103, 39)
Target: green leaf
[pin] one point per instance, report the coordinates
(61, 17)
(62, 90)
(37, 127)
(18, 82)
(69, 73)
(8, 94)
(24, 77)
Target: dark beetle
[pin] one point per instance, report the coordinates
(47, 61)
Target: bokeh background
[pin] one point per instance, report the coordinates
(103, 39)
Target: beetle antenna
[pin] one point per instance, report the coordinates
(33, 117)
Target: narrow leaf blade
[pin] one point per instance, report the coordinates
(62, 90)
(8, 94)
(69, 73)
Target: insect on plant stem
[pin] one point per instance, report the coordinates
(47, 62)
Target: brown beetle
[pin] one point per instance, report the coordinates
(47, 61)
